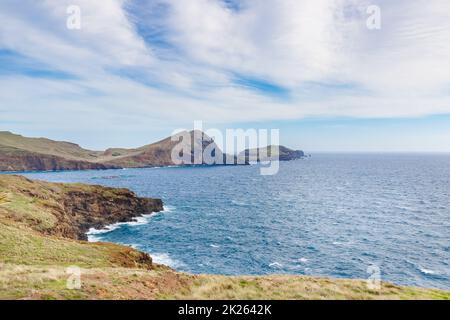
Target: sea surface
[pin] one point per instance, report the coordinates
(337, 215)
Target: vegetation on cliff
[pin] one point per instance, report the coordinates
(41, 225)
(268, 153)
(18, 153)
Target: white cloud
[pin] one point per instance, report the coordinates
(320, 51)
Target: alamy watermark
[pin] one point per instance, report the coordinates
(73, 281)
(373, 21)
(73, 21)
(373, 282)
(206, 147)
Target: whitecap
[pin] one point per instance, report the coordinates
(165, 259)
(214, 246)
(139, 221)
(93, 233)
(239, 203)
(303, 260)
(275, 265)
(427, 271)
(167, 209)
(93, 238)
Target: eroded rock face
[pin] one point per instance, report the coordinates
(18, 153)
(100, 207)
(270, 153)
(70, 210)
(28, 161)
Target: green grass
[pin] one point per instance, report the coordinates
(25, 247)
(33, 264)
(299, 287)
(30, 211)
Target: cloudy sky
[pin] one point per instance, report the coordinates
(136, 70)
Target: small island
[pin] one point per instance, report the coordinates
(271, 153)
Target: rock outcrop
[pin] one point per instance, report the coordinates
(12, 159)
(70, 210)
(269, 153)
(39, 222)
(18, 153)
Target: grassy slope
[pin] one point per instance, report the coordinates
(158, 152)
(33, 266)
(62, 149)
(14, 147)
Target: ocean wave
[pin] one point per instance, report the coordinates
(165, 259)
(93, 234)
(427, 271)
(93, 238)
(240, 203)
(168, 209)
(275, 265)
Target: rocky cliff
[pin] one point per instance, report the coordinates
(39, 225)
(13, 159)
(18, 153)
(69, 210)
(280, 153)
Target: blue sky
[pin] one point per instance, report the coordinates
(137, 70)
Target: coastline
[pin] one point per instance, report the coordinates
(36, 250)
(135, 221)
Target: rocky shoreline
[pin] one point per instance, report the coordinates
(75, 208)
(18, 154)
(42, 231)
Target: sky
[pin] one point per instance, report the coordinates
(135, 71)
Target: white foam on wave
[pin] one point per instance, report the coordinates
(275, 265)
(238, 203)
(303, 260)
(93, 238)
(168, 209)
(165, 259)
(214, 246)
(93, 234)
(427, 271)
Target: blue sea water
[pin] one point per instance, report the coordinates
(329, 215)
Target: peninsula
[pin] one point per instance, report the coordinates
(19, 153)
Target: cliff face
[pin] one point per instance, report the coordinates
(160, 153)
(69, 210)
(287, 154)
(99, 206)
(39, 225)
(12, 159)
(280, 153)
(18, 153)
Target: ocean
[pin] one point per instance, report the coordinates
(334, 215)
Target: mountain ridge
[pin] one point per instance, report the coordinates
(20, 153)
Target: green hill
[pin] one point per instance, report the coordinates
(18, 153)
